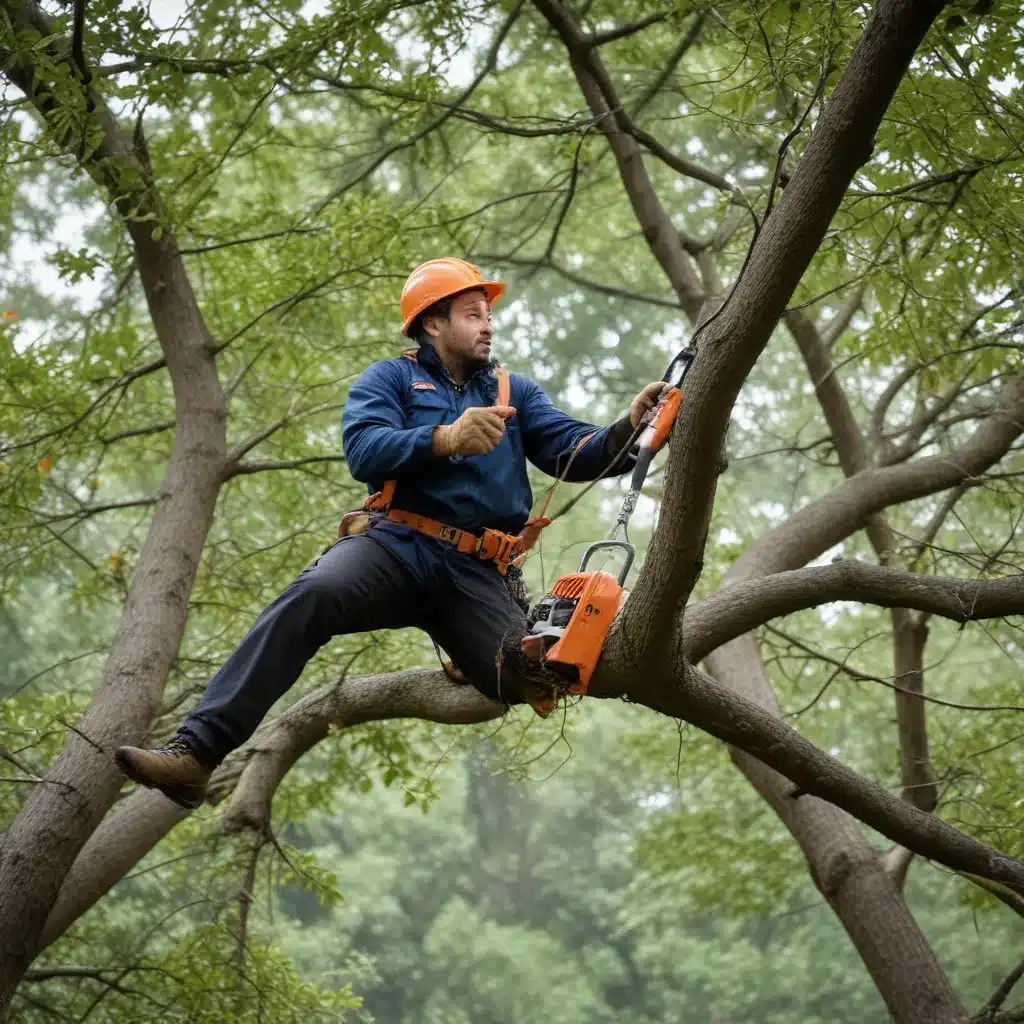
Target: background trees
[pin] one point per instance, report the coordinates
(254, 185)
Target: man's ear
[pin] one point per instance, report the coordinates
(431, 326)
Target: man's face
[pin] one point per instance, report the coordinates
(465, 336)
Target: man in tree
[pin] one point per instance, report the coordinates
(441, 436)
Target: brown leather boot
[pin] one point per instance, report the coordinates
(173, 768)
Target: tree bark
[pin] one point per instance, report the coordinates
(846, 869)
(734, 340)
(844, 866)
(910, 633)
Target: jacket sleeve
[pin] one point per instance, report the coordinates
(550, 437)
(374, 436)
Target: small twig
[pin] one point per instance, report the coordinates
(996, 1000)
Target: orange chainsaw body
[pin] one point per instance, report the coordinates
(568, 626)
(577, 652)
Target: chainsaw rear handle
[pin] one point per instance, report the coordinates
(622, 545)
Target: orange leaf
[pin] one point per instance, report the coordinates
(9, 315)
(45, 464)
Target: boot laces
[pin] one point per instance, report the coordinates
(178, 747)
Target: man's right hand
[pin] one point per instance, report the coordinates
(475, 432)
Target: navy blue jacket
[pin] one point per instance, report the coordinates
(389, 419)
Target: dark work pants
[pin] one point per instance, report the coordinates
(355, 587)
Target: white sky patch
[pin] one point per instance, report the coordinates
(773, 510)
(656, 801)
(828, 556)
(28, 261)
(832, 612)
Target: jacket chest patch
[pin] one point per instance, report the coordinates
(423, 385)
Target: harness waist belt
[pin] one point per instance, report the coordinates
(490, 546)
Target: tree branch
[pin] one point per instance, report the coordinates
(683, 47)
(740, 607)
(269, 465)
(654, 220)
(831, 332)
(578, 279)
(622, 31)
(250, 775)
(490, 61)
(822, 524)
(838, 146)
(701, 701)
(56, 820)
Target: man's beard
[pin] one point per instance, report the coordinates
(476, 360)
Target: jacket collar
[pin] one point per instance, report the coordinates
(427, 356)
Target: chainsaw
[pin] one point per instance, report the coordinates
(566, 628)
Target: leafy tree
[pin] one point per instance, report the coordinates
(170, 456)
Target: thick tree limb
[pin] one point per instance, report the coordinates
(652, 216)
(250, 776)
(822, 524)
(430, 695)
(910, 634)
(742, 724)
(737, 608)
(412, 694)
(586, 61)
(838, 146)
(845, 868)
(909, 630)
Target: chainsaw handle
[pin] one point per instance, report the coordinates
(677, 368)
(662, 419)
(623, 545)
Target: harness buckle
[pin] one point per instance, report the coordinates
(498, 547)
(449, 534)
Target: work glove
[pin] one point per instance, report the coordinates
(478, 430)
(645, 401)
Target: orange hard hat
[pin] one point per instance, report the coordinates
(438, 279)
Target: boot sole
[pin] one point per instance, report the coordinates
(187, 796)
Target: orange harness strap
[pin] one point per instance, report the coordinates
(490, 546)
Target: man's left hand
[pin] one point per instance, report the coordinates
(645, 401)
